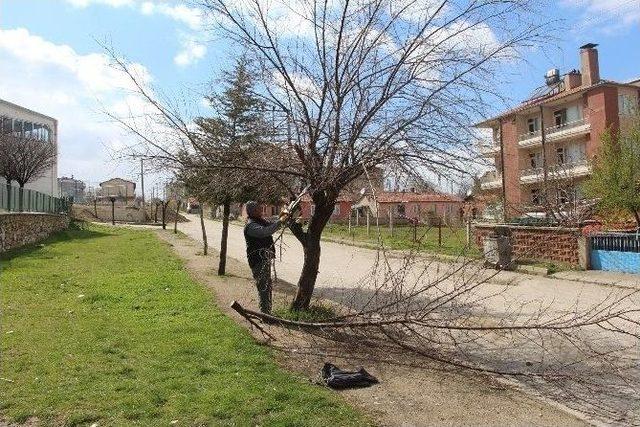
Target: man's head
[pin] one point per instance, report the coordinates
(253, 209)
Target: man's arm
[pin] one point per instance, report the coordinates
(260, 231)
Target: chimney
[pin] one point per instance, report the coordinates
(589, 64)
(572, 79)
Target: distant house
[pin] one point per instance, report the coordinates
(410, 205)
(341, 210)
(119, 188)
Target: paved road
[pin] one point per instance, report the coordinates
(344, 268)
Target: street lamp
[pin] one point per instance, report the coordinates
(113, 210)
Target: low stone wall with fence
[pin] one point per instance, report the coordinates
(540, 243)
(19, 229)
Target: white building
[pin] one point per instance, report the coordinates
(17, 119)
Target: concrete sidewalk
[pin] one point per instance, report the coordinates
(603, 278)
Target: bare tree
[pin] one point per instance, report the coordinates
(355, 85)
(24, 159)
(370, 82)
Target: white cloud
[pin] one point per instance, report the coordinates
(606, 15)
(192, 51)
(192, 45)
(190, 16)
(73, 88)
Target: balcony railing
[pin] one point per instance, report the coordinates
(574, 169)
(491, 180)
(489, 148)
(554, 132)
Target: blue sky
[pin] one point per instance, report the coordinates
(52, 63)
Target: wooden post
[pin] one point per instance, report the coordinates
(113, 211)
(439, 232)
(357, 217)
(367, 223)
(175, 224)
(391, 221)
(469, 232)
(349, 226)
(415, 230)
(164, 215)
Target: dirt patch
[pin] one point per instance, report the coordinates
(407, 395)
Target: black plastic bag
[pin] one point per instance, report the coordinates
(335, 377)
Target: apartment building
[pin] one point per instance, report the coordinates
(543, 148)
(73, 188)
(21, 121)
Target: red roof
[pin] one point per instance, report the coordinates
(407, 196)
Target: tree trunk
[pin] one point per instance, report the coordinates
(175, 222)
(205, 247)
(164, 215)
(311, 246)
(223, 242)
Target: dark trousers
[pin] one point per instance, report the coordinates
(262, 276)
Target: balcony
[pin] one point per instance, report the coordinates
(575, 169)
(489, 148)
(491, 180)
(555, 133)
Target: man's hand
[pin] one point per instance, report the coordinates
(284, 215)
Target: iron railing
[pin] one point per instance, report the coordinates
(15, 199)
(619, 242)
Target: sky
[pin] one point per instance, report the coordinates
(51, 61)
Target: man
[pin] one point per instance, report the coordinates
(258, 234)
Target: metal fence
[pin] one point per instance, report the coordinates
(619, 242)
(15, 199)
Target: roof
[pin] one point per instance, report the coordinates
(407, 196)
(20, 107)
(549, 98)
(120, 179)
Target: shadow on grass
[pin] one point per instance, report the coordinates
(77, 230)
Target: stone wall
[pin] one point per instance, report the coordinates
(19, 229)
(539, 243)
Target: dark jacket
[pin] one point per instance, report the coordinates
(258, 235)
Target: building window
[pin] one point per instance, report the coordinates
(536, 198)
(313, 209)
(535, 159)
(7, 125)
(626, 105)
(560, 155)
(533, 124)
(336, 210)
(400, 209)
(560, 117)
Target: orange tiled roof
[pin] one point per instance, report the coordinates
(407, 196)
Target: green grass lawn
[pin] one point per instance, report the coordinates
(104, 325)
(453, 239)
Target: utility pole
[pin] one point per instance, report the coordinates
(142, 179)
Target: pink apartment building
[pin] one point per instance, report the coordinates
(549, 140)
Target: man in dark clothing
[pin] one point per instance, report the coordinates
(258, 234)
